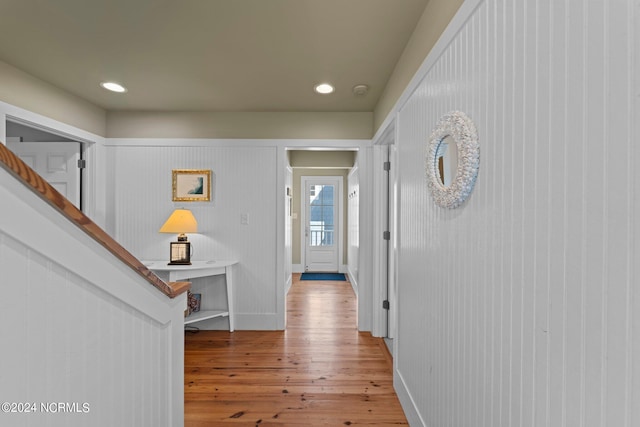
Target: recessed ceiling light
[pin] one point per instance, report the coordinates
(113, 87)
(324, 88)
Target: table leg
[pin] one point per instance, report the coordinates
(229, 280)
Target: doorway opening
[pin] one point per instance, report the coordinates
(385, 289)
(318, 214)
(321, 220)
(309, 163)
(58, 159)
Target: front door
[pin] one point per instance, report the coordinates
(321, 225)
(56, 162)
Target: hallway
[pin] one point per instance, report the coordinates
(320, 371)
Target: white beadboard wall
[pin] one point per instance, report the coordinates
(288, 229)
(522, 307)
(244, 182)
(78, 327)
(353, 224)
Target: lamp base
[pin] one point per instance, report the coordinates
(180, 253)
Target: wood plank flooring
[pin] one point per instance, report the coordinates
(320, 371)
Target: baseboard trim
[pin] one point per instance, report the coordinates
(354, 283)
(406, 400)
(287, 284)
(244, 322)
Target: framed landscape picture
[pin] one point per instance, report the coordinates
(191, 185)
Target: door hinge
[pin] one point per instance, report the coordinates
(385, 304)
(82, 163)
(386, 235)
(386, 166)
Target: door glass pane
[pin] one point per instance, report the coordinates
(321, 219)
(327, 215)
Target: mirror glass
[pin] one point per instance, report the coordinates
(446, 161)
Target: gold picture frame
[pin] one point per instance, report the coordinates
(191, 185)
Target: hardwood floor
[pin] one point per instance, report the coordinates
(320, 371)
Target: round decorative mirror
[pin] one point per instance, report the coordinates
(452, 160)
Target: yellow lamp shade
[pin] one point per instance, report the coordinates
(181, 221)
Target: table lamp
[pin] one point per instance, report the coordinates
(181, 221)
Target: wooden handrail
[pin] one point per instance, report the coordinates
(23, 173)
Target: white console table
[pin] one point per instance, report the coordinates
(176, 273)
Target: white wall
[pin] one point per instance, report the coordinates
(521, 307)
(288, 227)
(353, 226)
(362, 246)
(249, 177)
(244, 182)
(78, 327)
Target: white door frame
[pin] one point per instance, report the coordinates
(340, 217)
(384, 280)
(93, 177)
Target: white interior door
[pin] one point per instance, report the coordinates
(56, 162)
(322, 223)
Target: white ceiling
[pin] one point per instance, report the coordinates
(213, 55)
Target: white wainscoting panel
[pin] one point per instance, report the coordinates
(353, 224)
(522, 307)
(288, 229)
(244, 183)
(79, 328)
